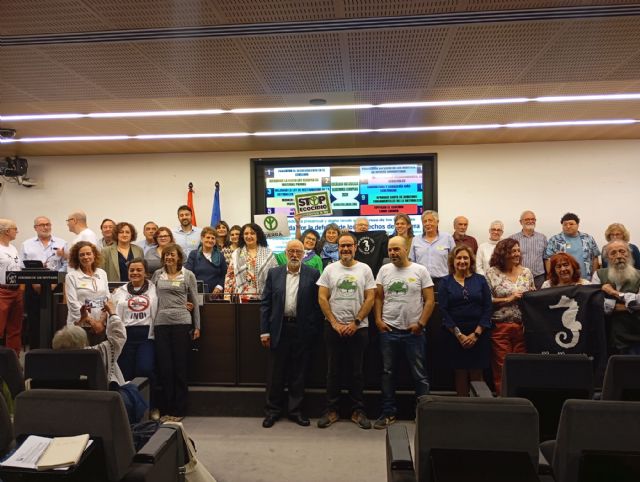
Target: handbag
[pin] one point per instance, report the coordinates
(193, 470)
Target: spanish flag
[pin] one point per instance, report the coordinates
(190, 204)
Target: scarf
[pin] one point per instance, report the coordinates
(139, 291)
(308, 254)
(330, 251)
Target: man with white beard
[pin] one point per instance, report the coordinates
(621, 283)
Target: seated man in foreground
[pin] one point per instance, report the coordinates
(73, 337)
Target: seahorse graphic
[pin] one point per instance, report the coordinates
(569, 321)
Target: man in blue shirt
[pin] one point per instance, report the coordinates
(187, 236)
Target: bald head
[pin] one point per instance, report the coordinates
(77, 221)
(398, 252)
(460, 225)
(361, 225)
(294, 252)
(528, 221)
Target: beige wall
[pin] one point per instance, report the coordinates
(594, 179)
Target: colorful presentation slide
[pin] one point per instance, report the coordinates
(363, 190)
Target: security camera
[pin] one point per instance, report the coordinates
(6, 133)
(13, 167)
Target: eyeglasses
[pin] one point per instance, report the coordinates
(465, 294)
(164, 236)
(70, 219)
(528, 219)
(294, 251)
(43, 225)
(350, 245)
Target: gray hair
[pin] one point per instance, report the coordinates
(80, 216)
(432, 212)
(498, 222)
(6, 225)
(71, 337)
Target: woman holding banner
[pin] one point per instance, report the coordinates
(508, 280)
(564, 270)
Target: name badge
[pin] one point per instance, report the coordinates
(175, 283)
(440, 248)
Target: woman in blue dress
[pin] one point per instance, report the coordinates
(464, 298)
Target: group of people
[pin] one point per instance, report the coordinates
(318, 285)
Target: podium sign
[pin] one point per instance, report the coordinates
(34, 277)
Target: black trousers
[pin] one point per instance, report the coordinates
(173, 345)
(349, 348)
(287, 366)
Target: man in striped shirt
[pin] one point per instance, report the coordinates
(532, 246)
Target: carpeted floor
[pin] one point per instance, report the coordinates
(240, 450)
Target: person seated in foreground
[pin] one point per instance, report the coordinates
(74, 337)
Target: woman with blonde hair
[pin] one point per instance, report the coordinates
(617, 232)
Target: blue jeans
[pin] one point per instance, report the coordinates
(138, 358)
(391, 344)
(138, 354)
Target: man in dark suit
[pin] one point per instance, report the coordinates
(290, 319)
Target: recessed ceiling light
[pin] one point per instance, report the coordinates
(460, 127)
(321, 106)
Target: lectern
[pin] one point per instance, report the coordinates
(45, 278)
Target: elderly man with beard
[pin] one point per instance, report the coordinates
(621, 282)
(290, 319)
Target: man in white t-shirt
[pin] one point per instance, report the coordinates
(11, 293)
(77, 224)
(403, 306)
(346, 294)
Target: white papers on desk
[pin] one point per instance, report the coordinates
(43, 453)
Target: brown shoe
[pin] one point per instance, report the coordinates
(360, 419)
(328, 419)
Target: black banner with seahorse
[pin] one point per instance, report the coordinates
(567, 320)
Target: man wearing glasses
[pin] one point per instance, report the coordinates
(532, 246)
(44, 246)
(77, 224)
(11, 300)
(49, 250)
(290, 319)
(346, 296)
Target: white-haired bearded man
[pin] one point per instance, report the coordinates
(621, 283)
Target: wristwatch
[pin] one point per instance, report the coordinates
(357, 321)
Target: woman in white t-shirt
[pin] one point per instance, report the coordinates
(136, 305)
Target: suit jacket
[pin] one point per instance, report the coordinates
(110, 260)
(308, 313)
